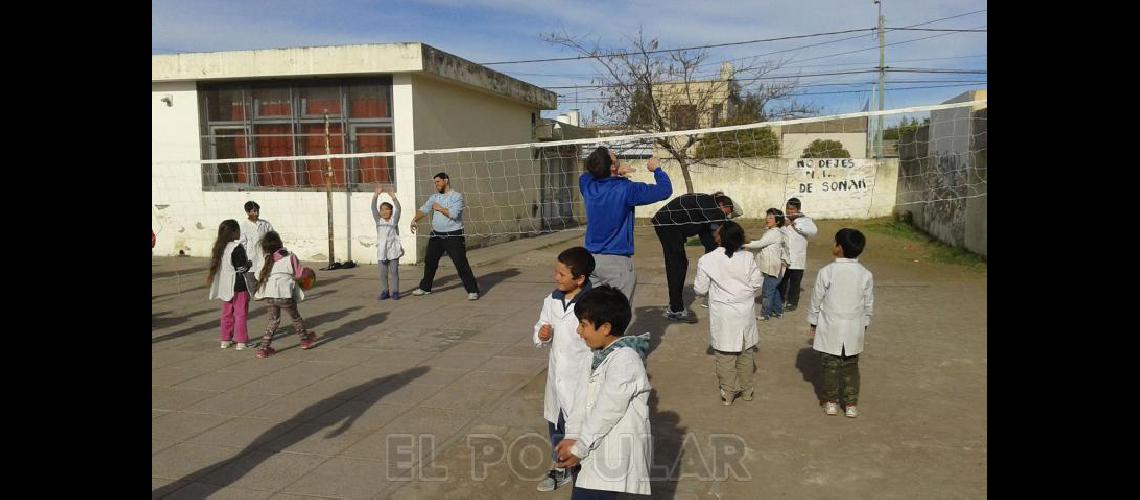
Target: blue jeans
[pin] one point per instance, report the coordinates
(771, 303)
(557, 432)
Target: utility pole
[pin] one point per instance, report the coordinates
(328, 189)
(882, 76)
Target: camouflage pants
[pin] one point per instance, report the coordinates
(840, 369)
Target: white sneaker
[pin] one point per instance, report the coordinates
(417, 292)
(831, 408)
(240, 346)
(225, 344)
(852, 411)
(472, 296)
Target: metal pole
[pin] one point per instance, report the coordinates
(882, 76)
(328, 188)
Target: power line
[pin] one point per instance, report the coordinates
(875, 48)
(846, 38)
(582, 76)
(785, 77)
(708, 46)
(840, 84)
(938, 29)
(601, 100)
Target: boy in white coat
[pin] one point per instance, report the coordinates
(730, 277)
(607, 432)
(569, 355)
(840, 314)
(253, 229)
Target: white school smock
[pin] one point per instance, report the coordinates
(773, 254)
(222, 288)
(569, 354)
(251, 235)
(841, 304)
(731, 284)
(798, 232)
(611, 424)
(388, 245)
(281, 283)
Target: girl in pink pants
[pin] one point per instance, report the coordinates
(230, 281)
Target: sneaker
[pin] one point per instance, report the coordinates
(789, 307)
(473, 296)
(705, 303)
(307, 340)
(683, 316)
(225, 344)
(240, 346)
(852, 411)
(395, 295)
(385, 295)
(554, 479)
(747, 395)
(417, 292)
(727, 397)
(831, 408)
(266, 352)
(761, 318)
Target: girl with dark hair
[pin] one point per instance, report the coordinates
(278, 286)
(730, 278)
(230, 281)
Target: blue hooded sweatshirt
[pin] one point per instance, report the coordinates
(609, 209)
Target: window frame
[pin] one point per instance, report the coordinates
(297, 122)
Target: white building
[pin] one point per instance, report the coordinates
(396, 97)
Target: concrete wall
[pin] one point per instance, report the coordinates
(792, 145)
(866, 188)
(942, 184)
(500, 188)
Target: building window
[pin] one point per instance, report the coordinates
(683, 116)
(287, 118)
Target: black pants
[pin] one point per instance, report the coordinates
(455, 245)
(676, 264)
(790, 286)
(587, 494)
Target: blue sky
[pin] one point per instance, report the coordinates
(499, 30)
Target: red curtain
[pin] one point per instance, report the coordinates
(314, 144)
(368, 101)
(274, 140)
(316, 104)
(376, 169)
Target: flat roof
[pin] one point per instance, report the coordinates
(347, 60)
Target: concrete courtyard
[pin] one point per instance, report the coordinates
(440, 397)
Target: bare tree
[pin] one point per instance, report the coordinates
(662, 90)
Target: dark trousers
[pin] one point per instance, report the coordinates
(790, 286)
(676, 264)
(585, 494)
(455, 245)
(557, 432)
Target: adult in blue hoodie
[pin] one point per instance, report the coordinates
(610, 200)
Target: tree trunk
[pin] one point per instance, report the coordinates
(688, 178)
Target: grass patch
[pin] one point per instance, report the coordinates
(935, 250)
